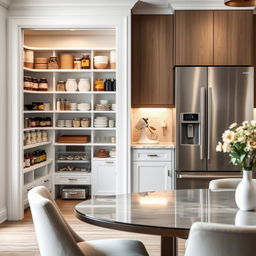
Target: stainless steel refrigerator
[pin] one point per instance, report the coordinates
(208, 100)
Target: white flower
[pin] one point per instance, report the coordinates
(233, 126)
(226, 147)
(219, 147)
(253, 122)
(228, 136)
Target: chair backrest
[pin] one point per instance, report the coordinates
(224, 184)
(55, 237)
(221, 240)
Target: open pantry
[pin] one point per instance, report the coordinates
(70, 111)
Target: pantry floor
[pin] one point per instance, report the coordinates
(18, 238)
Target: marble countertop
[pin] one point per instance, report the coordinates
(159, 145)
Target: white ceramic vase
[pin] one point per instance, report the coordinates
(84, 85)
(246, 193)
(71, 85)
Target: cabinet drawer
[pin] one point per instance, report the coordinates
(65, 180)
(152, 155)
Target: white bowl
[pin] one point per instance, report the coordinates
(101, 117)
(104, 102)
(102, 59)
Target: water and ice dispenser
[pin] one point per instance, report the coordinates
(190, 128)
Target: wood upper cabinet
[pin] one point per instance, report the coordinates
(152, 61)
(194, 37)
(233, 37)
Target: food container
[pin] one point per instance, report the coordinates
(73, 139)
(101, 62)
(29, 59)
(85, 122)
(43, 84)
(102, 153)
(84, 85)
(60, 86)
(40, 66)
(66, 61)
(76, 122)
(53, 63)
(41, 60)
(77, 63)
(113, 59)
(74, 193)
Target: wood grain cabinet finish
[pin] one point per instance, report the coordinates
(233, 37)
(152, 61)
(194, 37)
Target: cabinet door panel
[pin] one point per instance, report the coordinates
(233, 35)
(151, 176)
(152, 61)
(104, 178)
(194, 37)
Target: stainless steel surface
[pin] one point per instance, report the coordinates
(73, 193)
(222, 95)
(188, 82)
(209, 126)
(201, 180)
(170, 210)
(202, 123)
(232, 101)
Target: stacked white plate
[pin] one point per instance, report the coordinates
(83, 106)
(101, 122)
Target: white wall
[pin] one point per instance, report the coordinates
(3, 110)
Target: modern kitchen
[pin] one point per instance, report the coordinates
(133, 116)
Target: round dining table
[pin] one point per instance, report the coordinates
(169, 214)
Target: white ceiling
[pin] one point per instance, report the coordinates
(146, 5)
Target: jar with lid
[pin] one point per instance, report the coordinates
(76, 122)
(33, 122)
(86, 61)
(28, 83)
(77, 63)
(48, 122)
(35, 84)
(27, 137)
(60, 86)
(42, 122)
(27, 160)
(44, 136)
(53, 63)
(43, 84)
(68, 106)
(38, 136)
(33, 137)
(99, 85)
(85, 122)
(27, 122)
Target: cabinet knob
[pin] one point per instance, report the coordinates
(72, 179)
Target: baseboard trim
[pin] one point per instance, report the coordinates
(3, 215)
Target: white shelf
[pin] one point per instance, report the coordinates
(72, 144)
(69, 70)
(104, 144)
(73, 128)
(66, 49)
(102, 112)
(37, 145)
(38, 128)
(72, 112)
(37, 166)
(38, 92)
(105, 128)
(72, 161)
(36, 111)
(30, 184)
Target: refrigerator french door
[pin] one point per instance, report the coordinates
(208, 100)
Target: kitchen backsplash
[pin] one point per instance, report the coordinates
(156, 116)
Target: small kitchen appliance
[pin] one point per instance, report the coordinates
(142, 125)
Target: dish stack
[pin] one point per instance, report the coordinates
(101, 62)
(101, 122)
(83, 106)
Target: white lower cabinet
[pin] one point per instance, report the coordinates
(152, 175)
(104, 177)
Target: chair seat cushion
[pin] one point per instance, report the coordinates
(113, 247)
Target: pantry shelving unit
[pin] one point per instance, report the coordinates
(47, 173)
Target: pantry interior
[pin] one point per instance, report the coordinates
(69, 115)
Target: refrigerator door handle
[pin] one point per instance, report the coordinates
(198, 176)
(202, 123)
(209, 135)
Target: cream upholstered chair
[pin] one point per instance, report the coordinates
(221, 240)
(56, 238)
(224, 183)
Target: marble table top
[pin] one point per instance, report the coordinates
(177, 209)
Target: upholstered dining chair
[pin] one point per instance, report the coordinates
(207, 239)
(56, 238)
(229, 183)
